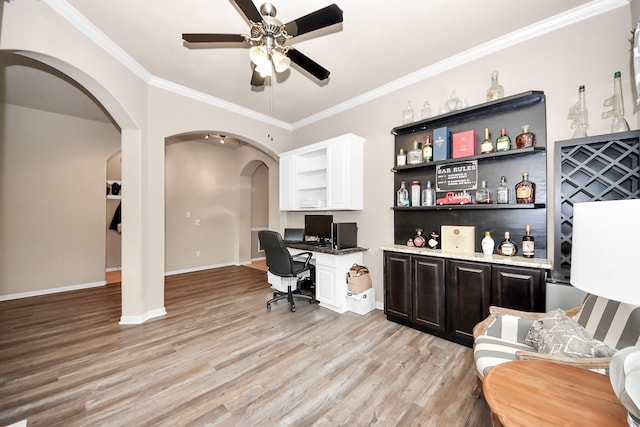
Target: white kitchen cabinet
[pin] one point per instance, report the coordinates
(327, 175)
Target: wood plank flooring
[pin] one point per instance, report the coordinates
(220, 358)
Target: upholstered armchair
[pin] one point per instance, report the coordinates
(597, 328)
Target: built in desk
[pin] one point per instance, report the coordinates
(331, 268)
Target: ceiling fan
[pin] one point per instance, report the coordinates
(268, 38)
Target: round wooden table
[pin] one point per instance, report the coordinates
(541, 393)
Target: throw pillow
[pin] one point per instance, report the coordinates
(568, 338)
(548, 321)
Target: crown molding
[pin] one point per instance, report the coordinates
(216, 102)
(578, 14)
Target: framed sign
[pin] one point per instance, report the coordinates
(457, 176)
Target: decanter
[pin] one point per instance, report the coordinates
(495, 91)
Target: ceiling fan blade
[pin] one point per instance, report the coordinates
(315, 20)
(257, 79)
(213, 38)
(308, 64)
(249, 9)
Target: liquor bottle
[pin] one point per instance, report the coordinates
(415, 193)
(407, 114)
(434, 240)
(427, 150)
(428, 195)
(414, 157)
(507, 247)
(525, 190)
(486, 146)
(401, 158)
(419, 239)
(487, 243)
(503, 142)
(402, 198)
(483, 194)
(495, 91)
(579, 115)
(502, 192)
(618, 122)
(526, 138)
(528, 246)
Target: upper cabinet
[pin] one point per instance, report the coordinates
(327, 175)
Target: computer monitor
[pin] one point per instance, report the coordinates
(318, 227)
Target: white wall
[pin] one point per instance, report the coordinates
(53, 200)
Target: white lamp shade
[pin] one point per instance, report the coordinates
(280, 61)
(258, 55)
(605, 251)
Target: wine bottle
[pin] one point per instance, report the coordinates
(528, 246)
(507, 247)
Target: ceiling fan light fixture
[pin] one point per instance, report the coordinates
(264, 69)
(280, 61)
(259, 55)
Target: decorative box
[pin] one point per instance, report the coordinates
(363, 302)
(464, 144)
(441, 144)
(458, 239)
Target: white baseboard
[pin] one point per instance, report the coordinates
(136, 320)
(204, 267)
(52, 290)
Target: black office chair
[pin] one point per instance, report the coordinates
(287, 272)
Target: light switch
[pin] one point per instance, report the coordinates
(197, 221)
(188, 214)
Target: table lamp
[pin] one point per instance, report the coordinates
(605, 260)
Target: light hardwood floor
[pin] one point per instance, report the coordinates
(219, 357)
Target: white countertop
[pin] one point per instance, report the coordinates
(517, 261)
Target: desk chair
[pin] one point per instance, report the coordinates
(285, 273)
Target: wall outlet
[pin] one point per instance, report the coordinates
(197, 253)
(197, 222)
(187, 214)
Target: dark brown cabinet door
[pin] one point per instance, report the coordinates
(469, 291)
(429, 293)
(397, 285)
(518, 288)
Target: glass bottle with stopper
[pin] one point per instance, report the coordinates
(495, 91)
(426, 110)
(407, 114)
(502, 192)
(526, 139)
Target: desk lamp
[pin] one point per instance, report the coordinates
(605, 261)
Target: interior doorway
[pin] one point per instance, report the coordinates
(113, 223)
